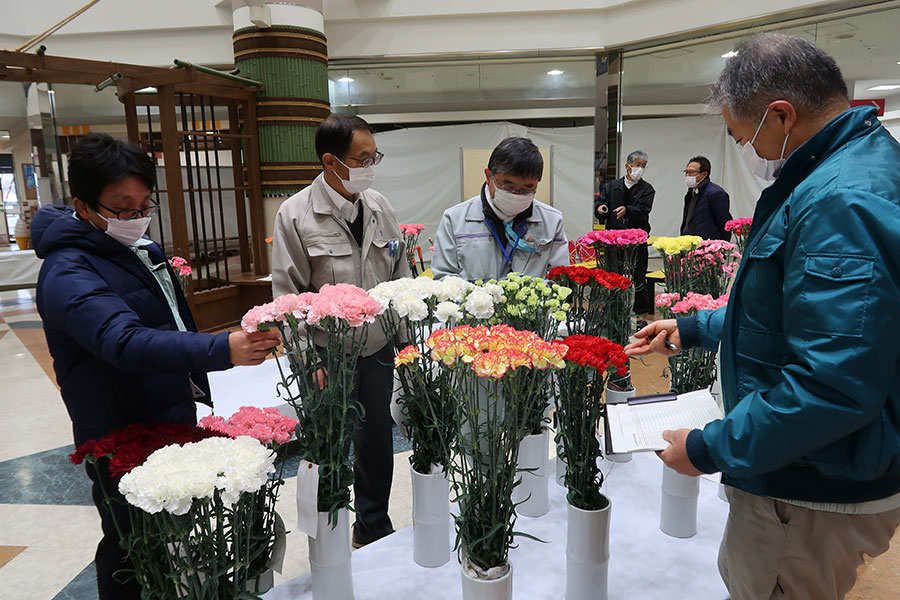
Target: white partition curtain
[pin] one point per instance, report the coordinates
(420, 174)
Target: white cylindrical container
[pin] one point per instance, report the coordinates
(474, 588)
(560, 470)
(587, 553)
(531, 496)
(618, 397)
(329, 558)
(678, 514)
(431, 517)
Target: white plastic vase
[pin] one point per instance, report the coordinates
(617, 397)
(678, 513)
(329, 559)
(486, 589)
(431, 517)
(587, 553)
(532, 492)
(560, 470)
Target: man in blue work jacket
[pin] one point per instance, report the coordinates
(809, 447)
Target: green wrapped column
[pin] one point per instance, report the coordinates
(290, 57)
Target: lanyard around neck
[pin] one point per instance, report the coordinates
(507, 256)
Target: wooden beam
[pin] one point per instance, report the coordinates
(216, 91)
(237, 167)
(174, 186)
(257, 212)
(131, 119)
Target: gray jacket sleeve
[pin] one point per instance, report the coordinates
(559, 247)
(445, 261)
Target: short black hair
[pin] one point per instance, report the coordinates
(335, 134)
(99, 160)
(704, 164)
(517, 156)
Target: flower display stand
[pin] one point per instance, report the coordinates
(431, 517)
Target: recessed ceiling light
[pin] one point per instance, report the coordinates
(884, 88)
(729, 54)
(555, 72)
(346, 80)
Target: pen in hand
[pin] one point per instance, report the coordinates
(672, 346)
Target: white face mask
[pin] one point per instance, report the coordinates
(507, 205)
(636, 173)
(126, 232)
(361, 178)
(691, 181)
(762, 167)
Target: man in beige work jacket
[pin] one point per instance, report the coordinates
(338, 230)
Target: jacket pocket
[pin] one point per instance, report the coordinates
(331, 261)
(841, 282)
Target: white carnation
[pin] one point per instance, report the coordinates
(494, 290)
(480, 304)
(453, 288)
(446, 311)
(424, 287)
(409, 304)
(172, 477)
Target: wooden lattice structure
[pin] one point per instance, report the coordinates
(212, 211)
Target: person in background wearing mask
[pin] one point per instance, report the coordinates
(625, 203)
(502, 229)
(124, 345)
(809, 447)
(705, 204)
(338, 230)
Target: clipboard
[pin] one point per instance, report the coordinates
(638, 424)
(635, 401)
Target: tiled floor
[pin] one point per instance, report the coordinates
(49, 527)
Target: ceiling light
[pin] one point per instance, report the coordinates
(729, 54)
(4, 134)
(346, 80)
(884, 88)
(555, 72)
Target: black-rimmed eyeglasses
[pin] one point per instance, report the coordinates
(369, 161)
(130, 214)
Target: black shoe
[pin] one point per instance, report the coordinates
(358, 541)
(641, 324)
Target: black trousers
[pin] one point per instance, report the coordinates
(643, 293)
(374, 446)
(110, 557)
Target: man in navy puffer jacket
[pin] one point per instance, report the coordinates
(124, 345)
(809, 447)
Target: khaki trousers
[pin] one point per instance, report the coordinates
(774, 550)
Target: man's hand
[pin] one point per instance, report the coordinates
(251, 348)
(620, 212)
(676, 456)
(654, 337)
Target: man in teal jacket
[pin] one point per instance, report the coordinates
(810, 443)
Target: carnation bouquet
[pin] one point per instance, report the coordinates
(712, 265)
(412, 308)
(590, 360)
(531, 304)
(740, 229)
(616, 249)
(497, 374)
(183, 270)
(201, 506)
(692, 368)
(411, 239)
(676, 263)
(328, 415)
(593, 292)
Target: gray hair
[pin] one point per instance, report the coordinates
(637, 154)
(773, 66)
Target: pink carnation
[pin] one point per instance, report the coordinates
(344, 301)
(667, 299)
(694, 302)
(615, 237)
(742, 224)
(411, 229)
(266, 425)
(258, 315)
(184, 270)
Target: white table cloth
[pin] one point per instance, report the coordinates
(645, 563)
(19, 269)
